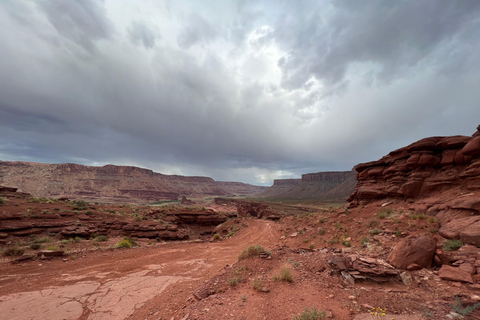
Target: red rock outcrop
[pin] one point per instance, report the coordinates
(413, 250)
(108, 184)
(426, 167)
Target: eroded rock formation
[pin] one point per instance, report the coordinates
(426, 167)
(103, 184)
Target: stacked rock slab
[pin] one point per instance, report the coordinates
(426, 167)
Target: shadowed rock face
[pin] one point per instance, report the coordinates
(103, 184)
(321, 185)
(426, 167)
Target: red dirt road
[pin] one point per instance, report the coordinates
(151, 282)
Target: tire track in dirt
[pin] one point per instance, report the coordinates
(123, 284)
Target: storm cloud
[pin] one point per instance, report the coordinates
(245, 91)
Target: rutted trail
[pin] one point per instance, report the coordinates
(120, 284)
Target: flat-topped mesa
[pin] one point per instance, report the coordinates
(107, 184)
(337, 176)
(286, 182)
(428, 166)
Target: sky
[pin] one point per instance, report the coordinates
(246, 91)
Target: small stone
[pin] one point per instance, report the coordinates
(351, 297)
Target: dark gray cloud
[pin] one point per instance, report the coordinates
(142, 34)
(247, 91)
(81, 21)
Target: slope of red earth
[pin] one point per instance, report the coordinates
(202, 278)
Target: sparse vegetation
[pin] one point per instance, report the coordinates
(385, 212)
(364, 241)
(126, 243)
(458, 308)
(321, 231)
(452, 245)
(253, 252)
(101, 238)
(313, 314)
(35, 246)
(2, 201)
(258, 284)
(285, 275)
(374, 231)
(13, 252)
(234, 281)
(216, 236)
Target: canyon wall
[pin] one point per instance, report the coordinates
(335, 185)
(103, 184)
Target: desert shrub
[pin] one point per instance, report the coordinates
(372, 223)
(78, 239)
(432, 220)
(35, 246)
(234, 281)
(414, 217)
(253, 252)
(89, 212)
(321, 231)
(421, 216)
(101, 238)
(374, 231)
(126, 243)
(2, 202)
(312, 246)
(364, 241)
(347, 243)
(13, 252)
(257, 284)
(313, 314)
(53, 248)
(459, 308)
(216, 236)
(285, 275)
(385, 212)
(452, 245)
(42, 240)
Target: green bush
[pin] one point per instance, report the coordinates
(2, 202)
(126, 243)
(313, 314)
(13, 252)
(101, 238)
(452, 245)
(253, 252)
(216, 236)
(35, 246)
(375, 231)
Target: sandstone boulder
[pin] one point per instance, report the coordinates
(466, 229)
(454, 274)
(413, 250)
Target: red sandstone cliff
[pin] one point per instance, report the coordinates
(320, 185)
(103, 184)
(426, 167)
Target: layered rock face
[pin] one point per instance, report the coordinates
(320, 185)
(238, 188)
(103, 184)
(424, 168)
